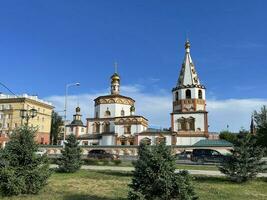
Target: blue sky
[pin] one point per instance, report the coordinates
(46, 44)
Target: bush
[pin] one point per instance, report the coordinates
(70, 160)
(21, 170)
(245, 162)
(154, 177)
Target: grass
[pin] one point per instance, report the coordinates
(109, 185)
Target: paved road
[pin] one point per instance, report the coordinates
(128, 169)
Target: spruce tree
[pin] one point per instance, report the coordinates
(70, 160)
(245, 161)
(155, 178)
(22, 171)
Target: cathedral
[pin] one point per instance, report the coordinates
(115, 121)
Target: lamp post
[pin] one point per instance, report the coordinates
(28, 114)
(65, 107)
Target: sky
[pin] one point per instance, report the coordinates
(45, 45)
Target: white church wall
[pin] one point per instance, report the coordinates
(115, 110)
(107, 140)
(188, 140)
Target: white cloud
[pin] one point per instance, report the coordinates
(157, 107)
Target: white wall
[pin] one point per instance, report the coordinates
(188, 140)
(115, 110)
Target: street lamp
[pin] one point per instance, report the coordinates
(27, 114)
(65, 108)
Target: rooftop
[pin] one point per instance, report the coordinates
(32, 97)
(213, 143)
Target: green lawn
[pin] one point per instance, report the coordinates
(108, 185)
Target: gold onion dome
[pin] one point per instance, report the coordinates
(115, 76)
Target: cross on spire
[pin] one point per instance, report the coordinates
(116, 67)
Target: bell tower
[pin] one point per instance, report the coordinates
(189, 115)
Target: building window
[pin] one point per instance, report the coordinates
(123, 143)
(42, 140)
(200, 94)
(181, 124)
(82, 129)
(188, 94)
(106, 127)
(191, 124)
(97, 128)
(122, 113)
(131, 143)
(96, 115)
(42, 119)
(107, 113)
(127, 129)
(176, 96)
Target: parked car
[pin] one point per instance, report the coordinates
(208, 155)
(101, 154)
(185, 155)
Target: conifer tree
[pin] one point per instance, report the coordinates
(245, 161)
(22, 171)
(70, 160)
(154, 177)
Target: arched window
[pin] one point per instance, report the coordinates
(181, 124)
(122, 113)
(97, 127)
(176, 96)
(200, 94)
(106, 127)
(107, 113)
(146, 141)
(191, 123)
(188, 94)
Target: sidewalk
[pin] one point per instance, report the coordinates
(128, 169)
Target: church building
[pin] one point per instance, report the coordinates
(189, 118)
(115, 122)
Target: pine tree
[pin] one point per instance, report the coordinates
(22, 171)
(154, 177)
(70, 160)
(261, 126)
(245, 161)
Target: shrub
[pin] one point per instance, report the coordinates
(70, 160)
(245, 162)
(154, 177)
(21, 170)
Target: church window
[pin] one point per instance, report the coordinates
(107, 113)
(160, 140)
(96, 115)
(191, 124)
(131, 143)
(188, 94)
(127, 129)
(122, 142)
(106, 127)
(182, 124)
(176, 96)
(98, 128)
(199, 94)
(122, 113)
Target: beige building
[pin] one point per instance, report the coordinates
(10, 107)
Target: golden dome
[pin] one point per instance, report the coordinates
(115, 76)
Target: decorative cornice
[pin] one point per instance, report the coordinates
(111, 99)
